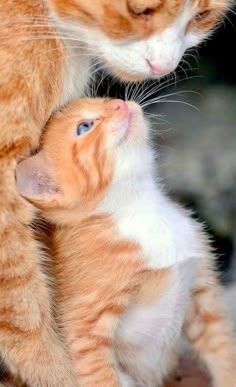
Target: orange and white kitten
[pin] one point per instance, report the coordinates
(131, 268)
(46, 47)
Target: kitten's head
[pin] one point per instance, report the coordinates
(140, 39)
(87, 147)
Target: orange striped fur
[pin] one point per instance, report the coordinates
(102, 276)
(44, 61)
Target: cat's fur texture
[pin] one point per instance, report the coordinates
(131, 267)
(46, 48)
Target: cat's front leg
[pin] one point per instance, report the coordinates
(28, 339)
(29, 91)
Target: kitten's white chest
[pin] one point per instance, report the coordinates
(77, 71)
(148, 335)
(164, 232)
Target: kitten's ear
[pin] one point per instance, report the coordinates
(35, 181)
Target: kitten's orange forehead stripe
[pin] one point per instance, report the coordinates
(93, 174)
(83, 173)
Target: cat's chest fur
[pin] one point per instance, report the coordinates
(76, 73)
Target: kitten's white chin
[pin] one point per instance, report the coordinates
(137, 126)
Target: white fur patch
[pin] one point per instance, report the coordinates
(144, 214)
(153, 331)
(164, 50)
(76, 73)
(77, 64)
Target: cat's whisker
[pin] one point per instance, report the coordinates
(139, 92)
(105, 74)
(49, 23)
(149, 90)
(231, 10)
(162, 86)
(158, 86)
(129, 91)
(226, 17)
(170, 101)
(190, 68)
(138, 95)
(47, 36)
(181, 92)
(111, 83)
(96, 69)
(133, 90)
(193, 57)
(183, 69)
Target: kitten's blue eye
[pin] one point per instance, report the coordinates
(84, 127)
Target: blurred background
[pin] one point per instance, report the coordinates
(196, 137)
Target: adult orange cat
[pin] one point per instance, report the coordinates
(46, 48)
(127, 260)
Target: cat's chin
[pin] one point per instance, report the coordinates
(129, 77)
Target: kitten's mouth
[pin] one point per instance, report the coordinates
(130, 112)
(124, 116)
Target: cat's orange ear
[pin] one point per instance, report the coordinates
(35, 181)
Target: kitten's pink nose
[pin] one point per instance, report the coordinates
(118, 104)
(158, 70)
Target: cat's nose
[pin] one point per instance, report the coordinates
(159, 71)
(118, 104)
(143, 8)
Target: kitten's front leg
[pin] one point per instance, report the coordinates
(208, 329)
(90, 330)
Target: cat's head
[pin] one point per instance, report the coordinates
(87, 147)
(139, 39)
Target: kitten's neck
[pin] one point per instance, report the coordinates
(143, 214)
(137, 191)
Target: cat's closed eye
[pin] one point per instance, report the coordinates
(84, 127)
(202, 15)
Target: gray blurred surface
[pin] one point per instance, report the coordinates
(198, 157)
